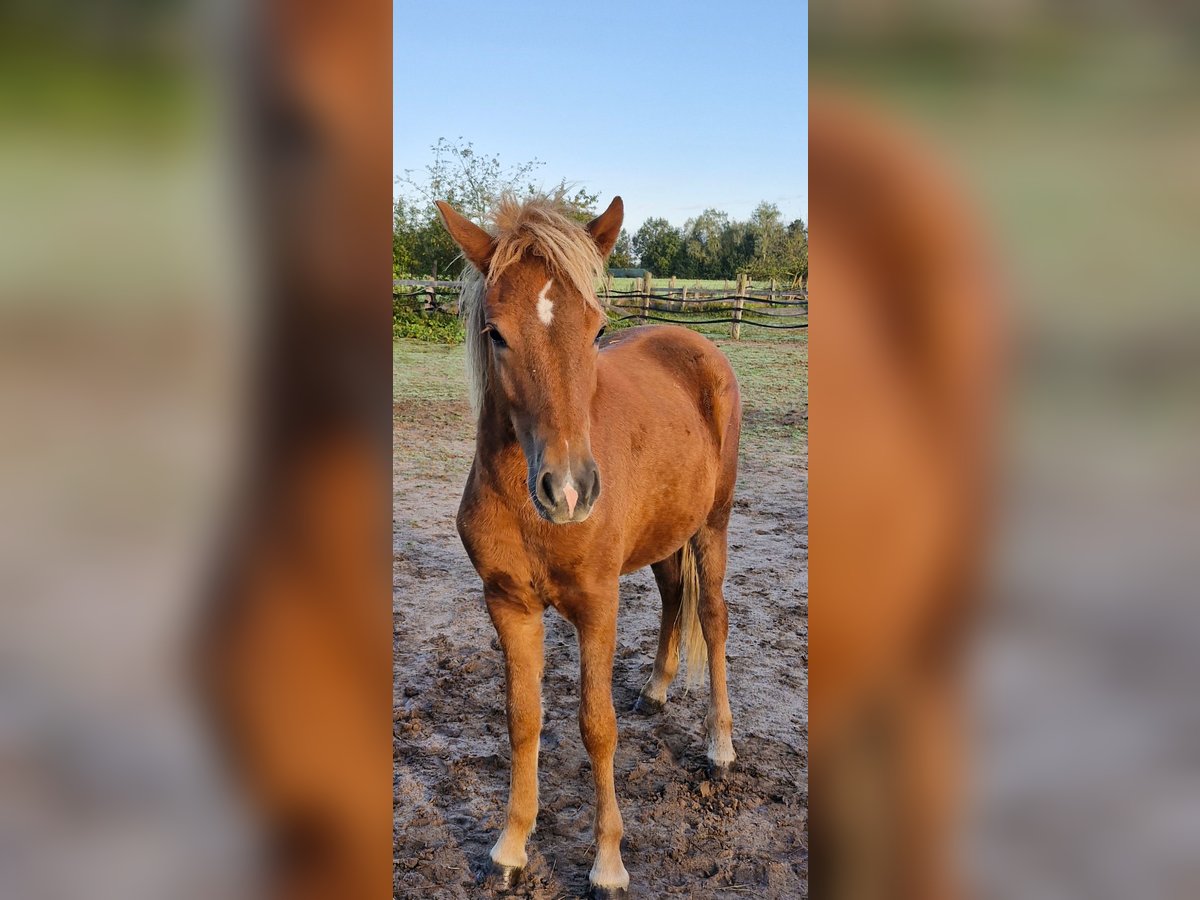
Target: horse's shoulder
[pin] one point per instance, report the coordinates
(490, 531)
(479, 512)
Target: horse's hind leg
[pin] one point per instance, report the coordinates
(666, 662)
(710, 546)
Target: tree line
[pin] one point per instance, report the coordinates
(714, 245)
(710, 245)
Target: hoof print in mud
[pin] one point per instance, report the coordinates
(647, 706)
(501, 878)
(607, 893)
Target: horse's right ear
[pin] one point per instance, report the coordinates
(477, 245)
(605, 228)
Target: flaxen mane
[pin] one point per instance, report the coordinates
(540, 225)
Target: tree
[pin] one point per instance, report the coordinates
(702, 255)
(471, 182)
(403, 249)
(737, 248)
(657, 244)
(769, 242)
(466, 179)
(796, 253)
(622, 255)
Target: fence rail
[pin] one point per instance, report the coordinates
(760, 307)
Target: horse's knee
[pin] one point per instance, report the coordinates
(598, 728)
(524, 732)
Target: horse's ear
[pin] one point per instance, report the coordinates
(477, 245)
(606, 226)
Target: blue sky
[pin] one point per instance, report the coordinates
(675, 106)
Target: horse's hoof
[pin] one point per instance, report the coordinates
(719, 771)
(502, 878)
(597, 892)
(647, 706)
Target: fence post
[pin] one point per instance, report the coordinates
(683, 300)
(647, 283)
(738, 306)
(431, 298)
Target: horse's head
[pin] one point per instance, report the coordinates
(536, 333)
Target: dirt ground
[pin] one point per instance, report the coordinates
(684, 835)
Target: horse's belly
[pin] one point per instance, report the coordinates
(673, 514)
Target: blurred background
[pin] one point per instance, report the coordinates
(1066, 134)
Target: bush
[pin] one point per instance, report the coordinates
(437, 328)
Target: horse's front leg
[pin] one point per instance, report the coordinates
(597, 630)
(518, 622)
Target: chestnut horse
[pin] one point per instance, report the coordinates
(594, 457)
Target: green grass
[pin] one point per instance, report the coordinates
(433, 433)
(773, 376)
(429, 373)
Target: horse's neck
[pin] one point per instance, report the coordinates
(494, 435)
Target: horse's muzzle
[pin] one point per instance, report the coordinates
(562, 495)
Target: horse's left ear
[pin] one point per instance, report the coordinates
(606, 226)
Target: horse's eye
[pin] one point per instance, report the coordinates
(497, 338)
(599, 334)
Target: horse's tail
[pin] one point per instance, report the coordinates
(691, 634)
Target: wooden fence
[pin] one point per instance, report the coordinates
(655, 302)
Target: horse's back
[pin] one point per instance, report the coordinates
(652, 359)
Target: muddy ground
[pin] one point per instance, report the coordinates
(684, 835)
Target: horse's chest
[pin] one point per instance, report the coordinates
(514, 558)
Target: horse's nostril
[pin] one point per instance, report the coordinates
(547, 485)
